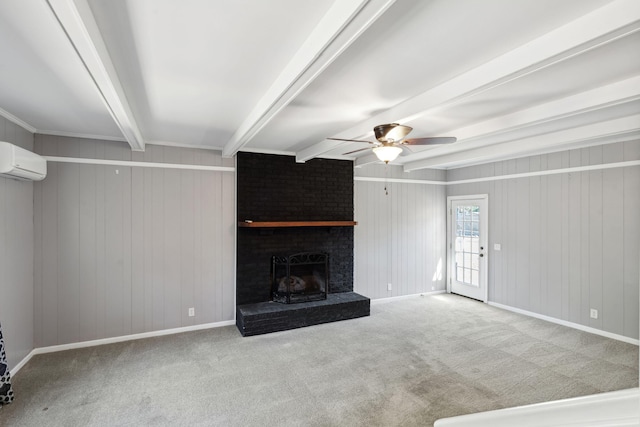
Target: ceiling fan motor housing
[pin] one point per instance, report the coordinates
(391, 132)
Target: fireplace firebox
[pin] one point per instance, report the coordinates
(300, 277)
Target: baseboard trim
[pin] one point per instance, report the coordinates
(566, 323)
(122, 338)
(22, 362)
(401, 297)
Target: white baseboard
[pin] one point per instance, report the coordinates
(21, 363)
(103, 341)
(401, 297)
(566, 323)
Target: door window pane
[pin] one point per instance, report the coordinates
(467, 244)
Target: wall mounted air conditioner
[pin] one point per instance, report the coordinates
(18, 163)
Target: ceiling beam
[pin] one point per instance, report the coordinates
(319, 148)
(519, 123)
(327, 41)
(604, 25)
(621, 129)
(78, 23)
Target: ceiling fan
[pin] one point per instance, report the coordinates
(391, 139)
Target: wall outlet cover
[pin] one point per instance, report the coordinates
(593, 313)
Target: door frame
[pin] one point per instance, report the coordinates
(484, 225)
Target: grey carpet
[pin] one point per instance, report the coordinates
(411, 362)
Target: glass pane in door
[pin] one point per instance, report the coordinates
(467, 246)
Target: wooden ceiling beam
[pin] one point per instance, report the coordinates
(78, 23)
(345, 21)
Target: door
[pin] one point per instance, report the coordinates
(467, 255)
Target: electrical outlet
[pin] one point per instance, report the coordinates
(593, 313)
(388, 286)
(497, 247)
(192, 312)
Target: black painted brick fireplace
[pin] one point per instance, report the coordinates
(276, 188)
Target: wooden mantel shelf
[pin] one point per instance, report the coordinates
(269, 224)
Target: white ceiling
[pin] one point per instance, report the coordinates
(506, 77)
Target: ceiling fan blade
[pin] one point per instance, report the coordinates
(350, 140)
(355, 151)
(430, 141)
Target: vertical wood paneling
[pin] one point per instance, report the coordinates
(535, 227)
(595, 240)
(148, 216)
(565, 245)
(199, 258)
(114, 259)
(172, 185)
(613, 243)
(400, 238)
(101, 235)
(226, 210)
(496, 235)
(575, 260)
(631, 247)
(552, 298)
(138, 283)
(575, 218)
(209, 246)
(539, 300)
(584, 239)
(187, 239)
(522, 199)
(17, 254)
(37, 263)
(87, 245)
(582, 232)
(157, 241)
(131, 251)
(68, 250)
(612, 252)
(216, 236)
(512, 223)
(127, 239)
(49, 318)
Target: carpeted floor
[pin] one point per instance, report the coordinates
(411, 362)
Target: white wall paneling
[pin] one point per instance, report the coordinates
(16, 253)
(400, 237)
(569, 237)
(122, 248)
(129, 252)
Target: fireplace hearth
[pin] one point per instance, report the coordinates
(300, 277)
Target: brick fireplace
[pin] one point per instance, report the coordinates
(273, 190)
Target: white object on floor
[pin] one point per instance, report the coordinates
(616, 408)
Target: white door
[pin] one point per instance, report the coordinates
(467, 224)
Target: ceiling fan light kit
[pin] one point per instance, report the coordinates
(391, 139)
(391, 132)
(387, 153)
